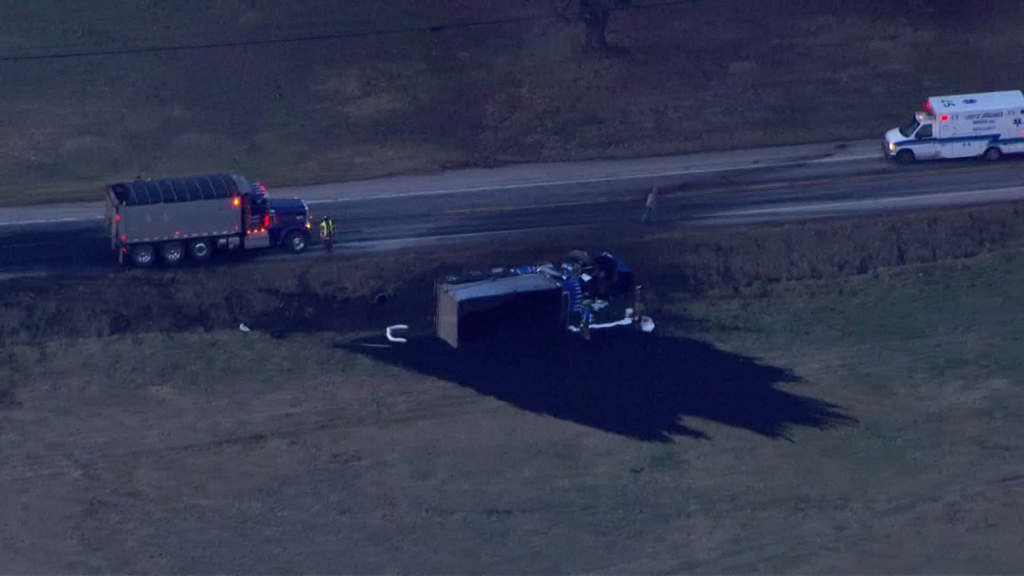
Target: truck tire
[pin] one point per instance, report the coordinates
(172, 252)
(905, 156)
(143, 255)
(200, 250)
(295, 241)
(993, 154)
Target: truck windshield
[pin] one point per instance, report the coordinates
(909, 128)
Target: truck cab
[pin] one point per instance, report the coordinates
(290, 223)
(282, 222)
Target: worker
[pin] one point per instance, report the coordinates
(327, 233)
(650, 208)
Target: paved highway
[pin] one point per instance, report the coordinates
(789, 183)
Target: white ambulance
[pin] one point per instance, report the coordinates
(989, 124)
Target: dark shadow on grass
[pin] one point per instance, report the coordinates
(635, 385)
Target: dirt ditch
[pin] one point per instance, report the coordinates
(351, 294)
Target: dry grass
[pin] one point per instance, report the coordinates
(229, 452)
(700, 76)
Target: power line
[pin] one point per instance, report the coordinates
(323, 37)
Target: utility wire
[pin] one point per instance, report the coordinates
(323, 37)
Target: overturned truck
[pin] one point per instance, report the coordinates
(529, 301)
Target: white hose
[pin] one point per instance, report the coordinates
(396, 327)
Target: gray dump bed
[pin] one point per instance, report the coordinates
(155, 210)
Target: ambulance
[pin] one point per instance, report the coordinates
(989, 124)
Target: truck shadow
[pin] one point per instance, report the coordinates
(635, 385)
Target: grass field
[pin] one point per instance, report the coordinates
(700, 75)
(861, 422)
(828, 426)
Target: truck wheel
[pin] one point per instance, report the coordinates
(295, 241)
(905, 157)
(143, 255)
(172, 252)
(993, 154)
(200, 250)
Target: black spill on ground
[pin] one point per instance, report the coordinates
(636, 385)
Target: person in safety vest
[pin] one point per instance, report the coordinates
(327, 232)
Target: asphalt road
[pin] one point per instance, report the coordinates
(796, 183)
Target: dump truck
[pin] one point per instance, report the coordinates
(174, 218)
(989, 124)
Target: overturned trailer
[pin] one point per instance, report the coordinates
(520, 305)
(529, 301)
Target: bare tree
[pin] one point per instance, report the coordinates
(595, 15)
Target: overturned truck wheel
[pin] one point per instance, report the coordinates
(581, 257)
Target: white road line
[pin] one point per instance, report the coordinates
(50, 221)
(11, 276)
(36, 245)
(918, 199)
(543, 183)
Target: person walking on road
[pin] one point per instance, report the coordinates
(327, 233)
(651, 207)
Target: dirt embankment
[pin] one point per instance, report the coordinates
(354, 294)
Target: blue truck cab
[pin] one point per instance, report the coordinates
(284, 221)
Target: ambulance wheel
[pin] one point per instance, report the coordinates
(200, 250)
(143, 255)
(905, 157)
(993, 154)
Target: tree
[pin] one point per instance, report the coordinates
(595, 15)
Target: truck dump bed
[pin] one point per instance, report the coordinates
(155, 210)
(513, 306)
